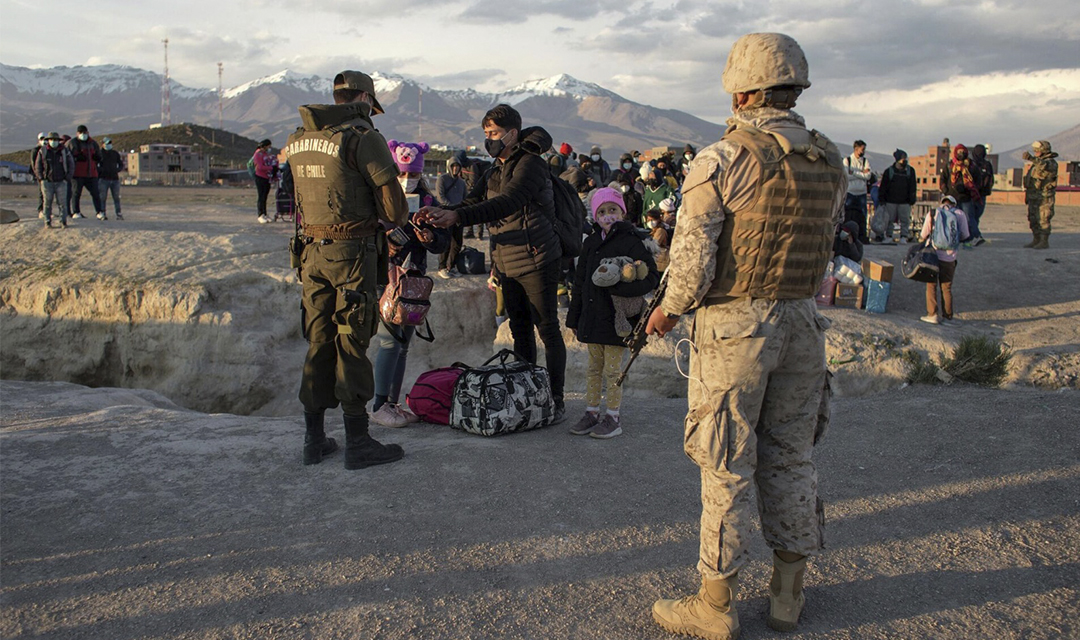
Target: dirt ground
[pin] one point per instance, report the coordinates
(125, 513)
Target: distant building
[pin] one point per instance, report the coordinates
(17, 173)
(168, 164)
(656, 152)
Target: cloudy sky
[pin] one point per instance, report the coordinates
(901, 73)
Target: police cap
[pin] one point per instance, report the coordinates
(359, 81)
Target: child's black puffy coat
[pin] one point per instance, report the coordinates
(591, 311)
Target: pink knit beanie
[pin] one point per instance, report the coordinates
(607, 194)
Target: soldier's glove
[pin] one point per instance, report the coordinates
(1026, 156)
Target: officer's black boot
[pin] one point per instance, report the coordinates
(316, 444)
(361, 450)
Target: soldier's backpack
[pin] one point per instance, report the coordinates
(569, 216)
(510, 395)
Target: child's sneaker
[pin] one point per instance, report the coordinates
(585, 425)
(608, 427)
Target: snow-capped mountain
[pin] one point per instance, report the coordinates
(110, 98)
(561, 85)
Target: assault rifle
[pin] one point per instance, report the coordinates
(637, 338)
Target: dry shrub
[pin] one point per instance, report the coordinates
(978, 359)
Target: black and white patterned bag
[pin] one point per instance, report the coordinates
(505, 397)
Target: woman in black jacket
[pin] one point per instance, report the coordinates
(592, 314)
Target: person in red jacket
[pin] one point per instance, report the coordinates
(87, 154)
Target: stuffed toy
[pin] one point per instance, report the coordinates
(622, 269)
(408, 156)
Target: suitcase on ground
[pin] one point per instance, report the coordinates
(508, 396)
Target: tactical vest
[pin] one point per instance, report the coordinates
(328, 191)
(778, 246)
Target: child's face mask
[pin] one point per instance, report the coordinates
(653, 224)
(607, 215)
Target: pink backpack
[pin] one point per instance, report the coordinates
(406, 300)
(433, 393)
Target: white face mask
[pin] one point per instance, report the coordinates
(595, 157)
(54, 143)
(108, 147)
(627, 165)
(409, 184)
(844, 235)
(653, 224)
(688, 156)
(84, 137)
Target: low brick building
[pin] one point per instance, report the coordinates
(168, 164)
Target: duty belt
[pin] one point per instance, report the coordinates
(346, 231)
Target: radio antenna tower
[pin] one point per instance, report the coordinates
(420, 115)
(220, 95)
(166, 110)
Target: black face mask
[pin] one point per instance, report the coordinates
(495, 147)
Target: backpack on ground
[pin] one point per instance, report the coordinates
(251, 167)
(433, 393)
(569, 216)
(945, 235)
(505, 397)
(470, 261)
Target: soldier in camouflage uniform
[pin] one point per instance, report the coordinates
(1040, 186)
(346, 180)
(755, 232)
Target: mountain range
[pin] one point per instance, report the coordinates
(119, 98)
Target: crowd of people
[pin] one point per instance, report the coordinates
(64, 166)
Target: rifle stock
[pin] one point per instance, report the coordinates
(637, 339)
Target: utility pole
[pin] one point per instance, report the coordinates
(166, 109)
(220, 96)
(420, 115)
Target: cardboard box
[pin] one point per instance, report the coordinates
(877, 296)
(877, 270)
(827, 292)
(849, 296)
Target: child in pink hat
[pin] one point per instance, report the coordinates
(614, 271)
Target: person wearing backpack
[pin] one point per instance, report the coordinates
(592, 308)
(517, 201)
(409, 247)
(945, 229)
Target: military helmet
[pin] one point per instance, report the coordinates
(764, 60)
(1041, 146)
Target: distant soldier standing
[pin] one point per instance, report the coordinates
(1040, 187)
(346, 180)
(756, 230)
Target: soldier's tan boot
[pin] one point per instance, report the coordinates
(1035, 237)
(709, 614)
(786, 599)
(1044, 241)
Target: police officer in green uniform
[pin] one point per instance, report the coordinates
(346, 181)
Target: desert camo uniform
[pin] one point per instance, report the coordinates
(758, 370)
(1040, 185)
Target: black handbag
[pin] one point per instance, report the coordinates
(921, 263)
